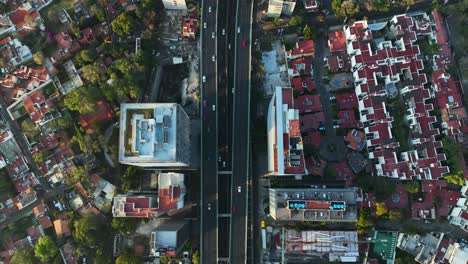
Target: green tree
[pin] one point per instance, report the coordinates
(123, 225)
(87, 56)
(124, 24)
(377, 5)
(88, 231)
(308, 33)
(394, 215)
(40, 156)
(125, 259)
(452, 151)
(381, 209)
(87, 144)
(23, 255)
(455, 178)
(165, 259)
(92, 73)
(45, 248)
(75, 29)
(412, 186)
(38, 57)
(364, 222)
(196, 257)
(79, 100)
(98, 11)
(29, 128)
(295, 21)
(344, 8)
(78, 173)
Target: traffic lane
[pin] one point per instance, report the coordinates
(241, 126)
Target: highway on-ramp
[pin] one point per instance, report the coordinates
(241, 142)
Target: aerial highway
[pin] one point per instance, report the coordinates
(209, 145)
(241, 142)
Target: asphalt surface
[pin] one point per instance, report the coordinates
(209, 156)
(241, 143)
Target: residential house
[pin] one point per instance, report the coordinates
(14, 53)
(69, 254)
(170, 197)
(189, 28)
(303, 48)
(378, 71)
(459, 214)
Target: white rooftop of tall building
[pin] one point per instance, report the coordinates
(148, 133)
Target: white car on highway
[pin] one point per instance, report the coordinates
(213, 35)
(213, 58)
(204, 25)
(204, 78)
(209, 9)
(239, 189)
(209, 207)
(214, 107)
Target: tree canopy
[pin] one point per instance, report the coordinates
(123, 225)
(124, 24)
(45, 248)
(344, 8)
(87, 144)
(452, 151)
(88, 231)
(126, 259)
(78, 173)
(412, 186)
(364, 222)
(381, 209)
(92, 72)
(80, 100)
(23, 255)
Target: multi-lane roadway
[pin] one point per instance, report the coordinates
(209, 147)
(225, 103)
(241, 146)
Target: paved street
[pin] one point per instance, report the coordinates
(209, 125)
(241, 142)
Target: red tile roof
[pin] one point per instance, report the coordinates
(39, 210)
(347, 119)
(337, 41)
(18, 18)
(36, 105)
(441, 32)
(311, 122)
(61, 228)
(312, 138)
(339, 63)
(356, 139)
(347, 100)
(64, 40)
(308, 104)
(303, 48)
(103, 112)
(45, 222)
(189, 27)
(301, 66)
(301, 83)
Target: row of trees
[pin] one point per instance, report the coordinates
(350, 8)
